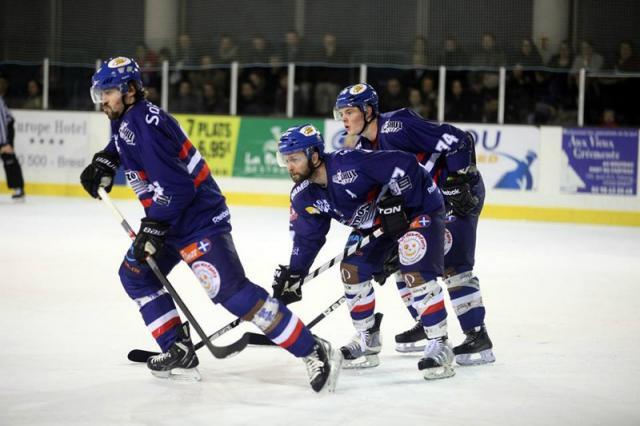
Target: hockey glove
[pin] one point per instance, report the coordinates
(100, 173)
(457, 192)
(392, 215)
(286, 285)
(390, 267)
(150, 238)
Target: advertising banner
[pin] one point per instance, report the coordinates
(258, 145)
(52, 148)
(600, 161)
(507, 156)
(216, 137)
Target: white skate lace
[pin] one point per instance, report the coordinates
(314, 364)
(358, 342)
(160, 357)
(436, 351)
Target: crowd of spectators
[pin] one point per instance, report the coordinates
(541, 84)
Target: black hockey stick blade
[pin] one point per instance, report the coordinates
(140, 355)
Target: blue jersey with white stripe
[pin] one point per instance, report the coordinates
(356, 181)
(167, 173)
(440, 147)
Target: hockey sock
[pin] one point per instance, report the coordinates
(276, 321)
(405, 294)
(466, 299)
(13, 171)
(428, 301)
(362, 312)
(162, 319)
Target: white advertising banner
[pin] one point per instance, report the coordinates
(53, 147)
(507, 156)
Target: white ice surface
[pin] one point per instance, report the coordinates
(562, 309)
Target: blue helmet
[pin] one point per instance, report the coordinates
(304, 138)
(115, 73)
(357, 95)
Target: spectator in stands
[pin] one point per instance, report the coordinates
(184, 52)
(292, 49)
(429, 96)
(227, 50)
(453, 55)
(518, 102)
(626, 60)
(186, 101)
(562, 59)
(488, 55)
(609, 118)
(212, 101)
(393, 96)
(416, 104)
(587, 58)
(249, 103)
(527, 55)
(149, 62)
(153, 95)
(34, 96)
(457, 105)
(258, 51)
(544, 48)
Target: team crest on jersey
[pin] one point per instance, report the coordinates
(391, 127)
(322, 205)
(422, 221)
(412, 248)
(208, 276)
(448, 241)
(137, 182)
(126, 134)
(195, 250)
(344, 178)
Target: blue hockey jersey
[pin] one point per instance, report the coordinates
(167, 173)
(356, 181)
(440, 147)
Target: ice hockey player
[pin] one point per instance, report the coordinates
(448, 154)
(359, 189)
(186, 218)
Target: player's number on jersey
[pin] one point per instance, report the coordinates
(445, 142)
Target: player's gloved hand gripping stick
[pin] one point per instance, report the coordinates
(217, 351)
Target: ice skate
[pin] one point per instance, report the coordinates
(179, 362)
(18, 195)
(412, 340)
(363, 350)
(476, 348)
(323, 366)
(437, 359)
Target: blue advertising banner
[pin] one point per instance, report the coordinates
(600, 161)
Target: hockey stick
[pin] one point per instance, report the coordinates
(216, 351)
(141, 355)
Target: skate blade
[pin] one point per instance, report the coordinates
(366, 361)
(482, 357)
(179, 374)
(336, 363)
(438, 372)
(411, 347)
